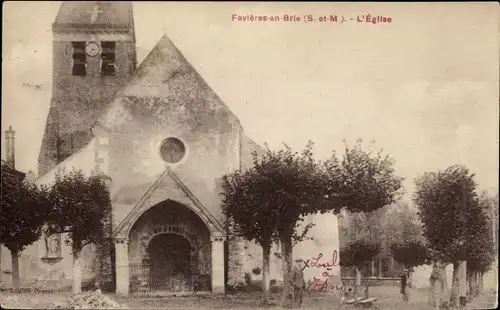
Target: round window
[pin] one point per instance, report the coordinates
(172, 150)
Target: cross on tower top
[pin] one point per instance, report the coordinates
(94, 13)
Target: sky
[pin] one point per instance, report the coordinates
(424, 88)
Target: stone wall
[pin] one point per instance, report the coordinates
(248, 147)
(325, 242)
(171, 218)
(323, 248)
(33, 267)
(254, 260)
(33, 263)
(78, 101)
(104, 264)
(421, 274)
(167, 98)
(236, 262)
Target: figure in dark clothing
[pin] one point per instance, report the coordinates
(404, 284)
(297, 283)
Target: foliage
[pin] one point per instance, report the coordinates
(25, 208)
(268, 202)
(398, 224)
(356, 225)
(363, 181)
(366, 186)
(480, 245)
(410, 253)
(297, 186)
(284, 186)
(272, 198)
(401, 222)
(81, 207)
(249, 213)
(298, 237)
(372, 226)
(447, 204)
(357, 252)
(256, 271)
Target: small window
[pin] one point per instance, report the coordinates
(108, 58)
(79, 59)
(79, 70)
(172, 150)
(108, 69)
(79, 45)
(108, 45)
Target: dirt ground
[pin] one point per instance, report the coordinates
(389, 298)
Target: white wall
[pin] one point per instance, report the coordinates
(420, 277)
(421, 274)
(325, 241)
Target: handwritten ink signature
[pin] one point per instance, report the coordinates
(315, 261)
(325, 274)
(317, 285)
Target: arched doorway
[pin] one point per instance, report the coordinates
(170, 262)
(170, 251)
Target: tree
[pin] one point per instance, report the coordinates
(410, 253)
(285, 186)
(369, 226)
(81, 208)
(448, 205)
(356, 253)
(480, 245)
(300, 186)
(25, 208)
(363, 182)
(250, 215)
(399, 224)
(268, 202)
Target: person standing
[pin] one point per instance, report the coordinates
(404, 284)
(298, 283)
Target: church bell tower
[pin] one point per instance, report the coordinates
(94, 55)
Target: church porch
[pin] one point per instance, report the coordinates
(169, 251)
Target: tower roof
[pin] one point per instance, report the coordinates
(94, 15)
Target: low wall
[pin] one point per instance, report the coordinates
(351, 281)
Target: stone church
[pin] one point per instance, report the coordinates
(164, 139)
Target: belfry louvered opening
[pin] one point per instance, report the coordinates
(79, 59)
(108, 67)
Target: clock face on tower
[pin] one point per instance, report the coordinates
(92, 49)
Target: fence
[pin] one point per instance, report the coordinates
(147, 280)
